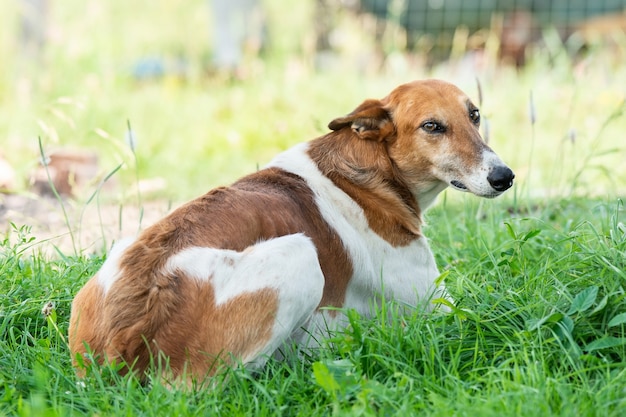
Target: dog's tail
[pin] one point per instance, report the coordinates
(142, 299)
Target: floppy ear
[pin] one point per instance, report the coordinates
(370, 121)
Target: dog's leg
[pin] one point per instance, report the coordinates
(291, 264)
(247, 304)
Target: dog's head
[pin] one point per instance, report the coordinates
(431, 132)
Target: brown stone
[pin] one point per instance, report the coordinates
(67, 170)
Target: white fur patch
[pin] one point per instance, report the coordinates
(406, 274)
(477, 182)
(452, 169)
(287, 264)
(110, 271)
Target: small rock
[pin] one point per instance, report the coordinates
(68, 170)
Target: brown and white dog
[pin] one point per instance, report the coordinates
(335, 222)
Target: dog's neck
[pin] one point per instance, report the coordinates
(364, 171)
(428, 193)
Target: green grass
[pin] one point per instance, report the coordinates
(538, 275)
(538, 329)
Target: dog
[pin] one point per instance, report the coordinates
(277, 257)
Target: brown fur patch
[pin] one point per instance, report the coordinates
(200, 336)
(87, 325)
(363, 170)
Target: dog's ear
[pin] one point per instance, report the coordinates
(370, 121)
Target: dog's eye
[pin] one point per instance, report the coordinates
(475, 116)
(433, 127)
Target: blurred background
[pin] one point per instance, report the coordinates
(165, 99)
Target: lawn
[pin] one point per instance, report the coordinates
(538, 275)
(538, 329)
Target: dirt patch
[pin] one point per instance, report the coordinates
(88, 229)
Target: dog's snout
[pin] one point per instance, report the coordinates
(501, 178)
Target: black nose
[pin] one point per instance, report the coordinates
(501, 178)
